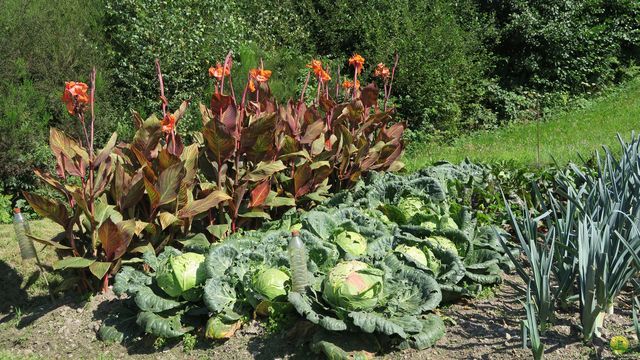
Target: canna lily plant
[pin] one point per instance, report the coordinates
(131, 198)
(253, 160)
(268, 156)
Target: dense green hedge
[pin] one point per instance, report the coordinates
(42, 44)
(463, 64)
(564, 45)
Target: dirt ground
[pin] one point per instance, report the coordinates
(476, 329)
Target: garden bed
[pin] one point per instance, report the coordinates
(485, 328)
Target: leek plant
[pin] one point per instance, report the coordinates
(565, 262)
(540, 256)
(593, 236)
(611, 200)
(592, 277)
(530, 328)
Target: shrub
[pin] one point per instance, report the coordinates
(573, 46)
(185, 35)
(42, 43)
(5, 208)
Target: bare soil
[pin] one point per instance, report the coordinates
(476, 329)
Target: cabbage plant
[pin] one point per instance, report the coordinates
(351, 242)
(353, 285)
(181, 274)
(270, 283)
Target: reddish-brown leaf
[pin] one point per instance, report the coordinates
(229, 118)
(49, 208)
(302, 180)
(312, 132)
(258, 139)
(220, 103)
(199, 206)
(116, 238)
(369, 95)
(259, 193)
(219, 141)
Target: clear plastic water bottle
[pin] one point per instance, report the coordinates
(298, 262)
(21, 227)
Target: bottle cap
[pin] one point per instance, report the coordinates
(295, 232)
(16, 210)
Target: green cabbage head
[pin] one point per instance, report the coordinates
(270, 283)
(353, 285)
(433, 262)
(351, 242)
(445, 243)
(411, 205)
(414, 254)
(181, 273)
(446, 222)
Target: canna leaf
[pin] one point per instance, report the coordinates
(99, 269)
(72, 263)
(197, 207)
(259, 194)
(48, 208)
(116, 238)
(265, 170)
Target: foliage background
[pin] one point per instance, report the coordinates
(464, 65)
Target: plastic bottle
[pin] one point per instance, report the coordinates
(298, 262)
(21, 227)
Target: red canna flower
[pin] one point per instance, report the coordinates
(75, 96)
(168, 123)
(324, 76)
(219, 72)
(260, 75)
(316, 65)
(381, 71)
(321, 74)
(357, 62)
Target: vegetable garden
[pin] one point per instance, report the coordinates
(193, 234)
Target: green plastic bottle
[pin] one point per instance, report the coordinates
(298, 263)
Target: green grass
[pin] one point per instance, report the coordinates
(562, 137)
(20, 280)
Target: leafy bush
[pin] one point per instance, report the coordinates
(44, 42)
(6, 213)
(573, 46)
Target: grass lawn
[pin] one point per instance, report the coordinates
(20, 281)
(561, 137)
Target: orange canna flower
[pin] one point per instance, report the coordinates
(168, 123)
(75, 96)
(357, 62)
(252, 86)
(381, 71)
(218, 71)
(324, 76)
(316, 65)
(348, 84)
(260, 75)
